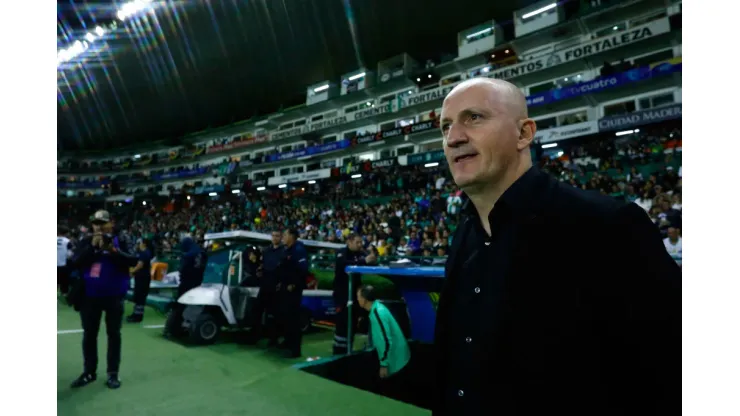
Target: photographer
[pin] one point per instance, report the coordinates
(104, 260)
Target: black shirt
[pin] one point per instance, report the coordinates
(346, 257)
(271, 259)
(480, 268)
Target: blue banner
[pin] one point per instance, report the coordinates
(602, 83)
(82, 185)
(209, 189)
(313, 150)
(181, 174)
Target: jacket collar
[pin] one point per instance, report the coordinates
(522, 198)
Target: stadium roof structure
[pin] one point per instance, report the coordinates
(141, 72)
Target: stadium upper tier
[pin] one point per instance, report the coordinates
(574, 86)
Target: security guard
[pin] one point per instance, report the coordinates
(267, 302)
(292, 274)
(352, 255)
(192, 269)
(142, 280)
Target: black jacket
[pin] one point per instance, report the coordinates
(346, 257)
(293, 270)
(271, 259)
(590, 312)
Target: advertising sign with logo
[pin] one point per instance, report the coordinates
(284, 134)
(383, 163)
(239, 142)
(639, 118)
(426, 157)
(618, 39)
(374, 111)
(313, 150)
(300, 177)
(397, 132)
(258, 182)
(426, 96)
(603, 83)
(209, 189)
(323, 124)
(566, 132)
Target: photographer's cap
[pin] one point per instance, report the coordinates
(101, 217)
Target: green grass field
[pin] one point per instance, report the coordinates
(161, 378)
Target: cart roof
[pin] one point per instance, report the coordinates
(250, 237)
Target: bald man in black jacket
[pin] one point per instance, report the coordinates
(557, 300)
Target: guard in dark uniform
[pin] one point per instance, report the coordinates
(352, 255)
(267, 302)
(292, 274)
(192, 269)
(142, 280)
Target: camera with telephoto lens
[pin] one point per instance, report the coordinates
(107, 240)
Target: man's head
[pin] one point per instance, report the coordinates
(486, 132)
(354, 242)
(290, 236)
(673, 233)
(366, 296)
(276, 237)
(102, 222)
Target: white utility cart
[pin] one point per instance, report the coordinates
(213, 306)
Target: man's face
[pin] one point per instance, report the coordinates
(355, 244)
(287, 238)
(362, 301)
(275, 238)
(480, 134)
(672, 233)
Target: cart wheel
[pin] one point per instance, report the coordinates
(204, 329)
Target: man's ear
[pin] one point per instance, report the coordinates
(527, 131)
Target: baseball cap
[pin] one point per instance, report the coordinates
(101, 217)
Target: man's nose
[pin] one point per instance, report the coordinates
(456, 136)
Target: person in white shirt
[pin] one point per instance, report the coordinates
(64, 252)
(645, 202)
(673, 244)
(440, 182)
(454, 202)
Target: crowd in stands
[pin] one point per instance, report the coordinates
(412, 210)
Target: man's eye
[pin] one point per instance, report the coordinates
(445, 127)
(475, 117)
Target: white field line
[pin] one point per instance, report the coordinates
(79, 331)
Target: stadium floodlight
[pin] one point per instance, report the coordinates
(623, 132)
(282, 185)
(549, 145)
(99, 31)
(540, 10)
(311, 182)
(480, 32)
(321, 88)
(261, 188)
(188, 197)
(354, 77)
(236, 191)
(431, 165)
(131, 8)
(212, 193)
(356, 176)
(90, 37)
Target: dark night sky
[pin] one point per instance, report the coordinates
(202, 64)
